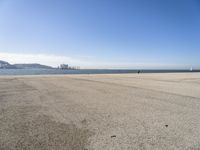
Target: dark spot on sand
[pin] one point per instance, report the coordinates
(166, 125)
(113, 136)
(84, 121)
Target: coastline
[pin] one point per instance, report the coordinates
(13, 72)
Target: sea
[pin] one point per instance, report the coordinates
(83, 71)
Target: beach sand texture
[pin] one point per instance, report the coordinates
(100, 112)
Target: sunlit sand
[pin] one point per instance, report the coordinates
(101, 112)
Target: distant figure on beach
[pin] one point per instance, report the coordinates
(138, 72)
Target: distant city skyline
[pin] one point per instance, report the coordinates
(132, 34)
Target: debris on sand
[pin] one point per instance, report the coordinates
(113, 136)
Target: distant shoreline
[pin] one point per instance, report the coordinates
(55, 71)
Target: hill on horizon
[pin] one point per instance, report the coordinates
(32, 66)
(6, 65)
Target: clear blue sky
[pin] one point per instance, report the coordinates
(145, 33)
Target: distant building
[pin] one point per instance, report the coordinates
(64, 66)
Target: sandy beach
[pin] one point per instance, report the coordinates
(100, 112)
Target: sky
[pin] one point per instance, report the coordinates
(146, 34)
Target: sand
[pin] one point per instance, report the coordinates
(100, 112)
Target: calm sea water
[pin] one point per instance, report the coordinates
(82, 71)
